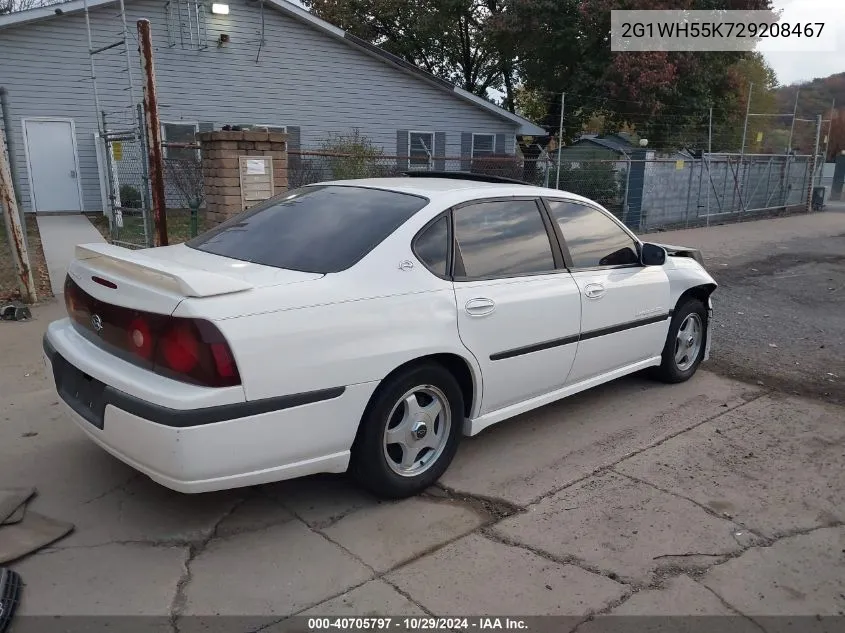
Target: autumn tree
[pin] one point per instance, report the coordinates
(564, 45)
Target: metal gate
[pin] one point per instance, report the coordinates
(128, 185)
(754, 182)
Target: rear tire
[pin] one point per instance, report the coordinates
(409, 432)
(685, 343)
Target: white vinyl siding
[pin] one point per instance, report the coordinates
(45, 68)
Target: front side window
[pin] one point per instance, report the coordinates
(432, 246)
(502, 239)
(592, 237)
(179, 134)
(483, 145)
(320, 229)
(420, 149)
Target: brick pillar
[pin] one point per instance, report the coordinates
(220, 168)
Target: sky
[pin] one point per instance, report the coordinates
(793, 67)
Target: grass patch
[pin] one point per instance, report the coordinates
(9, 289)
(132, 232)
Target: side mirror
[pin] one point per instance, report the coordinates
(652, 255)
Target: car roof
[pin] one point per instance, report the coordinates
(438, 189)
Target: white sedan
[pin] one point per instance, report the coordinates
(364, 325)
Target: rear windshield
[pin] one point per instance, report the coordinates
(320, 229)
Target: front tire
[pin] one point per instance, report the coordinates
(409, 433)
(685, 343)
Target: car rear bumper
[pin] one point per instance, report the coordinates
(217, 447)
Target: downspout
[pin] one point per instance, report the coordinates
(7, 129)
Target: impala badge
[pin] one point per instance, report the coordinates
(97, 323)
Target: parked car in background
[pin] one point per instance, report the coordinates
(364, 325)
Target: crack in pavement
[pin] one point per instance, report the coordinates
(729, 606)
(560, 560)
(677, 495)
(195, 549)
(113, 489)
(746, 400)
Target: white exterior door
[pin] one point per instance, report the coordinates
(519, 313)
(53, 165)
(624, 305)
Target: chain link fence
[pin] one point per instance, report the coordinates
(647, 195)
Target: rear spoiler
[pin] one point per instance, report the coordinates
(191, 282)
(683, 251)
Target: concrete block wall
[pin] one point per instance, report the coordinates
(221, 152)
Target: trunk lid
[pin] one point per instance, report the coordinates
(158, 279)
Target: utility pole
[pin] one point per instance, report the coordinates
(560, 138)
(156, 161)
(812, 165)
(9, 207)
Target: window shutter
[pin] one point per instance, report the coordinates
(402, 150)
(466, 151)
(440, 151)
(499, 147)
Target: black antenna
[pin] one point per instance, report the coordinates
(464, 175)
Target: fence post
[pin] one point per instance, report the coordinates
(811, 167)
(145, 50)
(17, 243)
(635, 189)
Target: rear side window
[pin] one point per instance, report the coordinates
(321, 229)
(502, 239)
(593, 238)
(432, 246)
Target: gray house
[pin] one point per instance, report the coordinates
(259, 63)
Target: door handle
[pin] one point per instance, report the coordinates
(594, 291)
(480, 306)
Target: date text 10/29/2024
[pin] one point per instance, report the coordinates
(416, 624)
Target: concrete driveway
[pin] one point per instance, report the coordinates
(714, 497)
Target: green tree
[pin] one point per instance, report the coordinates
(451, 39)
(353, 155)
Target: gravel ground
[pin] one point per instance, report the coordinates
(780, 306)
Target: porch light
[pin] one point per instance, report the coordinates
(220, 9)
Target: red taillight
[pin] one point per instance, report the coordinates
(224, 361)
(191, 350)
(179, 347)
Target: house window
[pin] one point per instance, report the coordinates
(483, 145)
(179, 133)
(420, 149)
